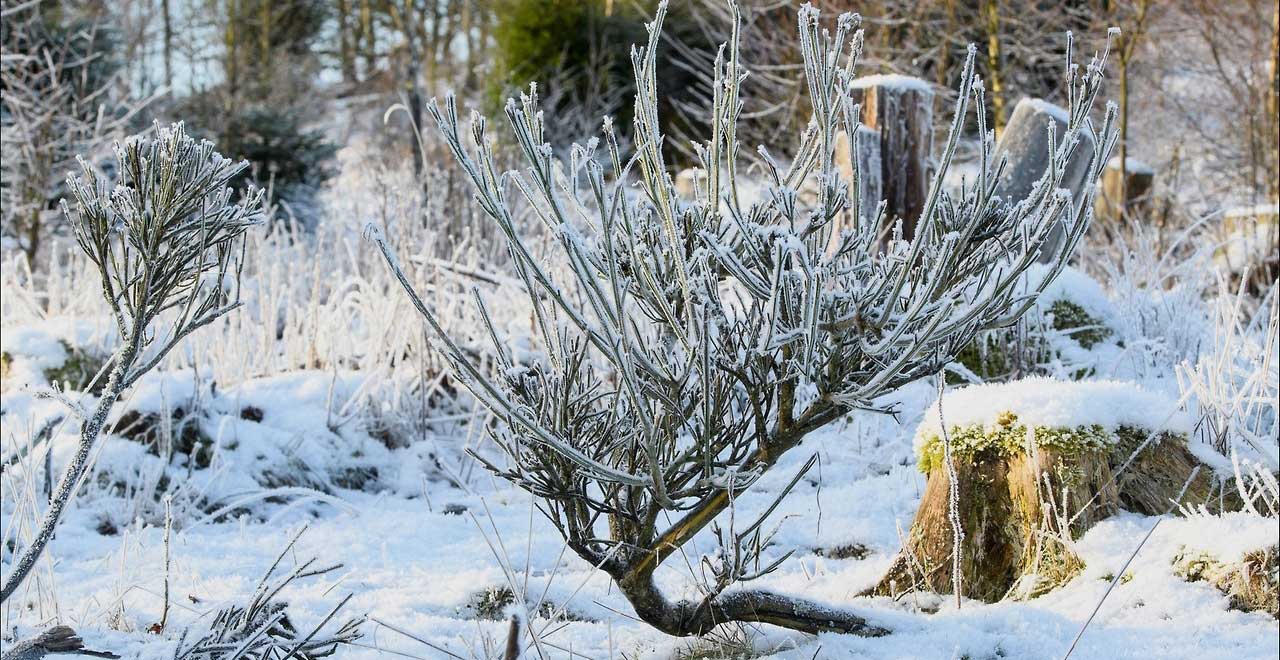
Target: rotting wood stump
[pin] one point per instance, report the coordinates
(1027, 490)
(900, 110)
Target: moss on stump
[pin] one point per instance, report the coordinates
(1024, 495)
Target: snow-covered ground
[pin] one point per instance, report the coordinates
(416, 553)
(318, 406)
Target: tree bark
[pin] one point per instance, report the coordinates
(686, 618)
(902, 111)
(168, 44)
(1019, 513)
(346, 47)
(991, 9)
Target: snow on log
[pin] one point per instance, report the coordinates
(1025, 142)
(900, 108)
(1125, 191)
(1248, 241)
(1037, 462)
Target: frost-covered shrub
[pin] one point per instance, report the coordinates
(683, 345)
(166, 238)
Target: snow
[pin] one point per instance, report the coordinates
(1073, 285)
(1050, 403)
(1131, 165)
(893, 80)
(1053, 110)
(294, 390)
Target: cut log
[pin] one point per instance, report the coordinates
(1025, 142)
(688, 181)
(1125, 192)
(1249, 246)
(900, 108)
(1026, 492)
(1009, 532)
(865, 155)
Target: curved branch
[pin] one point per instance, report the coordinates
(686, 618)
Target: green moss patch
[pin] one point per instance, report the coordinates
(78, 371)
(1008, 437)
(1070, 317)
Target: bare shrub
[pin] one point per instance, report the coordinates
(685, 345)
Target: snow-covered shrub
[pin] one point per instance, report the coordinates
(260, 629)
(166, 238)
(684, 345)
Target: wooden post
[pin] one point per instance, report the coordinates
(865, 152)
(1025, 142)
(900, 108)
(688, 181)
(1249, 246)
(1125, 191)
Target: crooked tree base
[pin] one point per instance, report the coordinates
(686, 618)
(1019, 513)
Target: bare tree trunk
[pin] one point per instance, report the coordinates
(992, 10)
(369, 38)
(408, 24)
(231, 43)
(1273, 109)
(433, 45)
(264, 45)
(346, 49)
(168, 44)
(1129, 43)
(468, 34)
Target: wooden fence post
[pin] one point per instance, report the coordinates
(865, 152)
(1126, 193)
(900, 108)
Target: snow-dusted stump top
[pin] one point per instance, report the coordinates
(1037, 462)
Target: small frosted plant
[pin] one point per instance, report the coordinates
(693, 342)
(167, 239)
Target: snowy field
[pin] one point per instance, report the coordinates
(316, 412)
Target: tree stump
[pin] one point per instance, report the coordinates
(900, 108)
(688, 181)
(1248, 241)
(1026, 491)
(1125, 192)
(1025, 142)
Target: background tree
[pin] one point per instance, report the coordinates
(60, 95)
